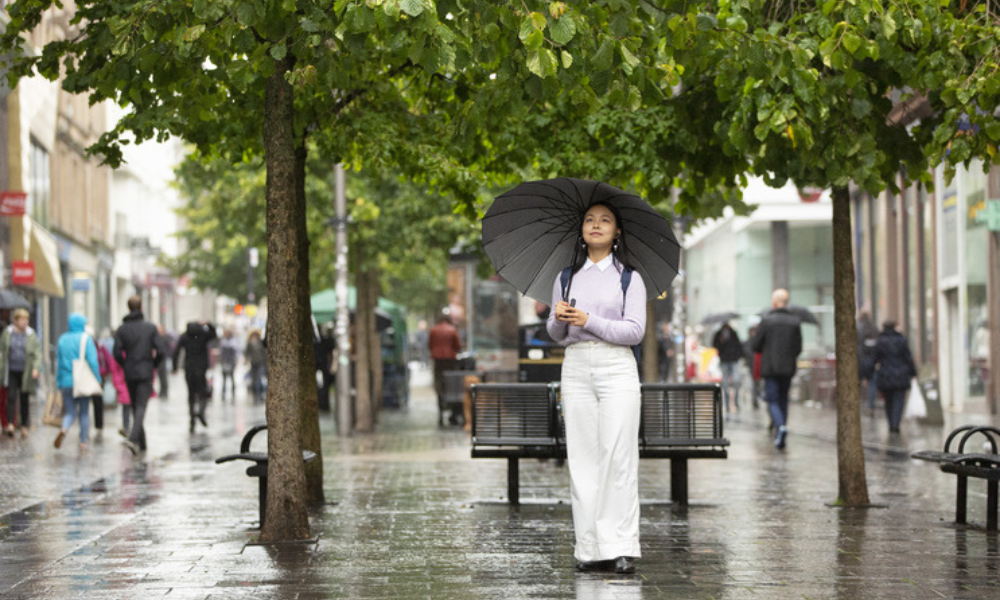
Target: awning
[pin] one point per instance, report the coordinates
(31, 241)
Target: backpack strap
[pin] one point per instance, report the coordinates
(626, 279)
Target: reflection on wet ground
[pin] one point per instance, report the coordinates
(412, 516)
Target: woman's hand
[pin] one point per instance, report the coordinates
(570, 314)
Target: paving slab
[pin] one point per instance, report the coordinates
(412, 516)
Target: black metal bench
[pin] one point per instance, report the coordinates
(964, 464)
(259, 468)
(523, 420)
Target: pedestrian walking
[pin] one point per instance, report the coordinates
(598, 320)
(139, 349)
(104, 361)
(194, 344)
(730, 349)
(894, 368)
(751, 360)
(867, 335)
(75, 344)
(255, 354)
(117, 375)
(20, 359)
(779, 341)
(229, 355)
(444, 345)
(168, 341)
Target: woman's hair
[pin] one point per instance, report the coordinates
(618, 256)
(19, 312)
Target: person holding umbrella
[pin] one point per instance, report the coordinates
(598, 321)
(592, 235)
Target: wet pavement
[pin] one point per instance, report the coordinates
(411, 516)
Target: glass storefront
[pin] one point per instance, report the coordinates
(976, 328)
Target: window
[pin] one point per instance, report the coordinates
(39, 184)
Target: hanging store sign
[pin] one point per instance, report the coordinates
(22, 272)
(990, 215)
(13, 204)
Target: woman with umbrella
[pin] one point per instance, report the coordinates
(598, 321)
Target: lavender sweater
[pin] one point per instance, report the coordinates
(599, 294)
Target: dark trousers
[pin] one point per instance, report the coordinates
(776, 391)
(139, 393)
(324, 391)
(440, 366)
(197, 393)
(17, 397)
(228, 375)
(98, 412)
(895, 400)
(163, 374)
(257, 381)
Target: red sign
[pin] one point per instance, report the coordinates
(22, 273)
(13, 204)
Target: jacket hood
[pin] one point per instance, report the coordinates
(77, 322)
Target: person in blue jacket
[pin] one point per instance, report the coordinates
(68, 350)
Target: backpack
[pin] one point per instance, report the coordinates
(564, 279)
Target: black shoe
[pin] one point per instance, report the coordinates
(201, 417)
(132, 447)
(625, 564)
(597, 565)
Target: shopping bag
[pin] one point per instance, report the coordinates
(916, 408)
(85, 383)
(53, 413)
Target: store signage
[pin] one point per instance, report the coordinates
(81, 285)
(22, 272)
(990, 215)
(13, 204)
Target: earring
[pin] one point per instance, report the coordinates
(614, 246)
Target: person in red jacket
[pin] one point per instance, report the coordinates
(444, 345)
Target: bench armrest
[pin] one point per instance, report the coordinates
(248, 437)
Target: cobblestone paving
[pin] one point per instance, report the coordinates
(411, 516)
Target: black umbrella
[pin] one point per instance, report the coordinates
(803, 313)
(11, 300)
(530, 234)
(719, 317)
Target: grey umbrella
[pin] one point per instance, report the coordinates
(719, 317)
(10, 299)
(530, 234)
(804, 314)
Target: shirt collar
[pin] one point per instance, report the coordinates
(602, 265)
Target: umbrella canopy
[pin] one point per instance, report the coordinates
(11, 300)
(530, 234)
(719, 317)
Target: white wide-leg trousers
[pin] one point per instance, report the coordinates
(601, 405)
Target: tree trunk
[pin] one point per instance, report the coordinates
(853, 488)
(307, 377)
(287, 517)
(371, 296)
(364, 417)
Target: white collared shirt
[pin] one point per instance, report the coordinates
(603, 264)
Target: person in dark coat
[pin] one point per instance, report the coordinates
(139, 350)
(750, 360)
(894, 368)
(194, 343)
(779, 341)
(727, 342)
(867, 333)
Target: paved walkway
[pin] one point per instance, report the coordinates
(412, 516)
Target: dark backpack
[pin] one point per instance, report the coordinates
(564, 279)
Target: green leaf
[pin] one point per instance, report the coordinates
(542, 63)
(852, 42)
(412, 7)
(278, 51)
(567, 59)
(193, 33)
(562, 29)
(604, 56)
